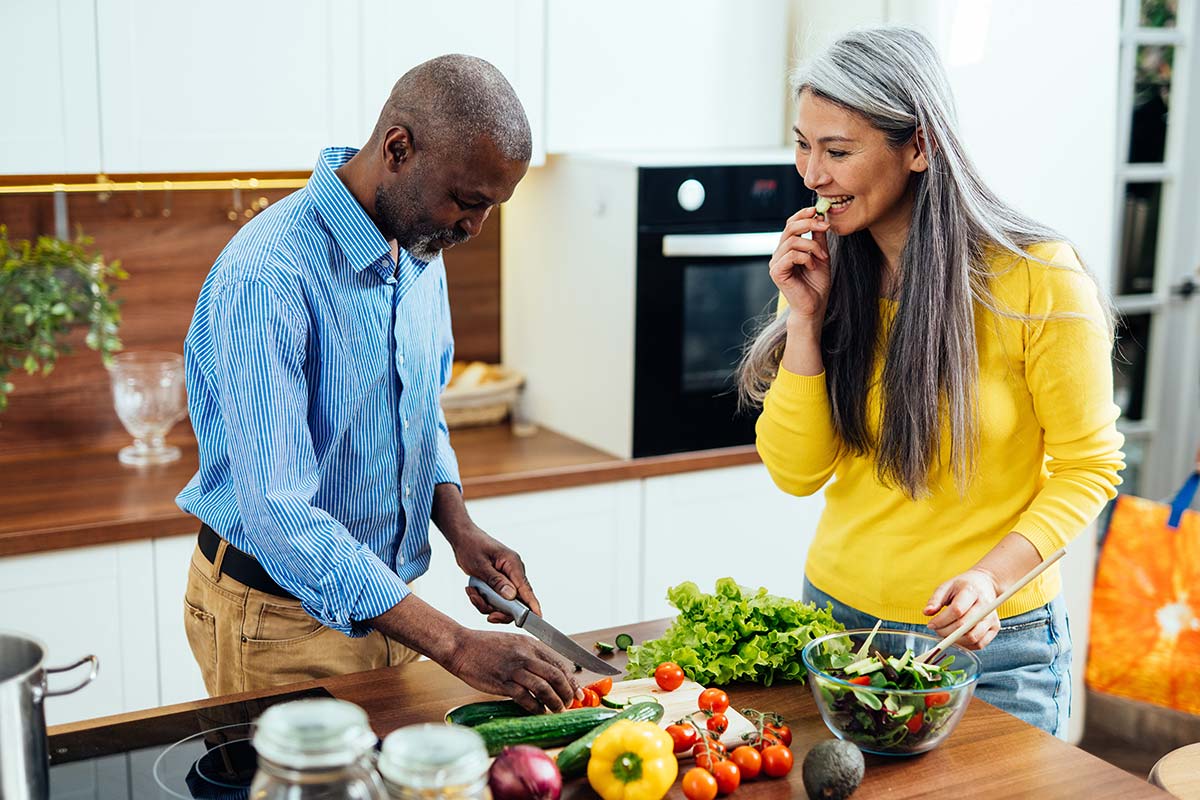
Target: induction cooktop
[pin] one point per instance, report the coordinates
(204, 753)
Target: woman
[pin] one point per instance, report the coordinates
(943, 364)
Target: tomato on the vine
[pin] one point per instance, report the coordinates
(699, 784)
(728, 776)
(749, 761)
(767, 739)
(780, 731)
(777, 761)
(684, 736)
(717, 723)
(669, 676)
(709, 758)
(713, 700)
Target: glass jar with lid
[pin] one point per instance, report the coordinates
(435, 762)
(315, 750)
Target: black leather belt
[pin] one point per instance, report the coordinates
(238, 565)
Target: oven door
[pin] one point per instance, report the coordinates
(699, 298)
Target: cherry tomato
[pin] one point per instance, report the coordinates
(768, 739)
(699, 784)
(777, 761)
(590, 698)
(915, 722)
(782, 732)
(749, 761)
(684, 737)
(709, 758)
(728, 776)
(713, 700)
(601, 687)
(713, 745)
(717, 723)
(861, 680)
(669, 676)
(937, 699)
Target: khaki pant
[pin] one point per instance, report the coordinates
(246, 640)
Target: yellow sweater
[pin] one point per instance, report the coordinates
(1048, 458)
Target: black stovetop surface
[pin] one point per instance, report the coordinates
(204, 753)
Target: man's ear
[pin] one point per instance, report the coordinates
(922, 147)
(397, 147)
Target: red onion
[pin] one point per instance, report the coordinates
(524, 772)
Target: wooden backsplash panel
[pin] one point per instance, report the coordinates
(167, 258)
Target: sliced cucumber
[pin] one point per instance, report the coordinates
(610, 703)
(605, 647)
(624, 640)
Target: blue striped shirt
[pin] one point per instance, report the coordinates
(314, 367)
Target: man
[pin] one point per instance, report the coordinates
(319, 347)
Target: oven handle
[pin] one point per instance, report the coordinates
(720, 244)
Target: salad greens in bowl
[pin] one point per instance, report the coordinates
(871, 690)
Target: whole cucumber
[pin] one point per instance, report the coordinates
(542, 730)
(573, 759)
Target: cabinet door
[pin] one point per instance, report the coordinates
(220, 85)
(581, 552)
(49, 87)
(733, 522)
(691, 74)
(395, 38)
(90, 601)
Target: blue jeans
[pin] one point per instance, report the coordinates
(1026, 668)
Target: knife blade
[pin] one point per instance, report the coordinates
(544, 631)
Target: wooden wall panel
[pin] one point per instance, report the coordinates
(167, 258)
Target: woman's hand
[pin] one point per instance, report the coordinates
(958, 597)
(800, 267)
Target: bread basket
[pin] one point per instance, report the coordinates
(486, 404)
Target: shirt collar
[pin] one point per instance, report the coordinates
(346, 219)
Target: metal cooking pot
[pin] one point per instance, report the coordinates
(24, 762)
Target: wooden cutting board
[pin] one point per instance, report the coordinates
(681, 703)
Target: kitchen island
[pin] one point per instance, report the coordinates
(989, 755)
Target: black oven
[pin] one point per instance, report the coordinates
(705, 237)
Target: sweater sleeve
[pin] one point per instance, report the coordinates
(1068, 368)
(795, 436)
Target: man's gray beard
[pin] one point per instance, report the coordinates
(423, 248)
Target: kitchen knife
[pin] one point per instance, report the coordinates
(554, 638)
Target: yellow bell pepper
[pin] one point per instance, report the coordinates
(632, 761)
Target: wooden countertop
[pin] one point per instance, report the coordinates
(58, 498)
(989, 755)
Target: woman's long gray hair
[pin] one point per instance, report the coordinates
(894, 79)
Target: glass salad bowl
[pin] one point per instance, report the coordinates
(891, 706)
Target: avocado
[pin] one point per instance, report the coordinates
(832, 770)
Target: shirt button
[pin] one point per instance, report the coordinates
(406, 423)
(408, 491)
(400, 358)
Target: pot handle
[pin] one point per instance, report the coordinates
(48, 692)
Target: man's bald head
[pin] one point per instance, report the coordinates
(451, 102)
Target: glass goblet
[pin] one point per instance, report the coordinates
(148, 395)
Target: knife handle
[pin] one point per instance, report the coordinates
(514, 608)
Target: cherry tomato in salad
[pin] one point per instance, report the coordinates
(601, 687)
(669, 676)
(749, 761)
(861, 680)
(717, 723)
(684, 736)
(937, 699)
(915, 722)
(728, 775)
(590, 698)
(699, 784)
(781, 732)
(713, 700)
(777, 761)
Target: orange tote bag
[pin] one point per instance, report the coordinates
(1145, 631)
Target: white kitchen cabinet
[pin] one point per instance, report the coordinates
(394, 38)
(179, 675)
(732, 522)
(49, 87)
(672, 74)
(88, 601)
(221, 85)
(581, 548)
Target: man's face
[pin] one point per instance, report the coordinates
(437, 199)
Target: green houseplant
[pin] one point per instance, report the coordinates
(49, 287)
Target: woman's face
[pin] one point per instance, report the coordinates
(843, 158)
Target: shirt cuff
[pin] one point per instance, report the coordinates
(446, 467)
(362, 588)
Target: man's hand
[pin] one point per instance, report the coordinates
(517, 666)
(481, 556)
(956, 598)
